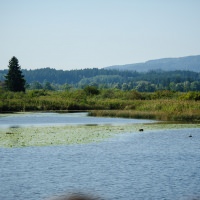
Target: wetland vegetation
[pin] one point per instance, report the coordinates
(138, 98)
(79, 134)
(161, 105)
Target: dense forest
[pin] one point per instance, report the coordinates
(52, 79)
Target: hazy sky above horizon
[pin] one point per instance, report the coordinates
(77, 34)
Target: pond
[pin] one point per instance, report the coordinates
(153, 164)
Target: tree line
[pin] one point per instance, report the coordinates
(52, 79)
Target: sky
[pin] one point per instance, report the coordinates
(78, 34)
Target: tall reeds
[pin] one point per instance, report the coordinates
(116, 103)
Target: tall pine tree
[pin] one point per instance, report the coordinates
(14, 80)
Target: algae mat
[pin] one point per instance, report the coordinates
(67, 135)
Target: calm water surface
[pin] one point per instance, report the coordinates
(149, 165)
(46, 119)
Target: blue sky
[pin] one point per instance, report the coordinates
(77, 34)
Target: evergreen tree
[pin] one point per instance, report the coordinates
(14, 79)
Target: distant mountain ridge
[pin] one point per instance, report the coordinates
(191, 63)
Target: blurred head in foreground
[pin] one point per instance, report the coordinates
(75, 197)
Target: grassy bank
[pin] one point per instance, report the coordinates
(162, 105)
(165, 110)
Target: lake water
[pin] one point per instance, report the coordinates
(160, 164)
(47, 119)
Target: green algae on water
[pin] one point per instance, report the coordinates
(68, 135)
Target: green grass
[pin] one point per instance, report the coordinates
(166, 105)
(167, 110)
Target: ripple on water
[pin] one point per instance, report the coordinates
(152, 165)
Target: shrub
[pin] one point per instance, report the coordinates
(91, 90)
(37, 93)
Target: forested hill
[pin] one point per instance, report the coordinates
(71, 76)
(191, 63)
(126, 80)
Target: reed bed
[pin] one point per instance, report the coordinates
(173, 107)
(165, 110)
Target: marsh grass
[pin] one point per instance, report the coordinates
(114, 103)
(165, 110)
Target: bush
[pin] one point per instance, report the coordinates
(91, 90)
(191, 96)
(36, 93)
